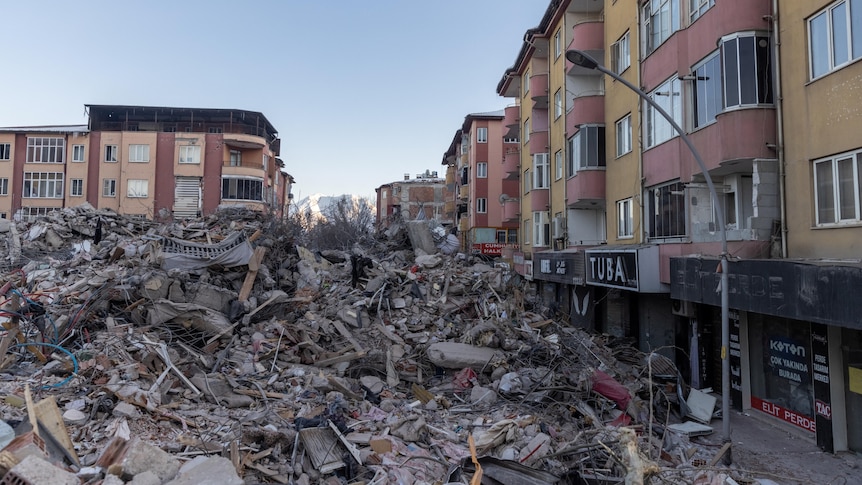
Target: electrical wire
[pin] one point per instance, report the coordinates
(57, 347)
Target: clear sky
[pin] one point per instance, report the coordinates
(360, 91)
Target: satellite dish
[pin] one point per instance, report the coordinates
(503, 198)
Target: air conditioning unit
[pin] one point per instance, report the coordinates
(682, 308)
(559, 227)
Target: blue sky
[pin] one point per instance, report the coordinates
(360, 92)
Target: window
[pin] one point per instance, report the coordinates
(706, 95)
(747, 70)
(233, 188)
(624, 135)
(5, 151)
(109, 187)
(558, 165)
(31, 213)
(587, 148)
(43, 185)
(540, 171)
(235, 158)
(541, 229)
(482, 135)
(510, 140)
(656, 128)
(835, 36)
(265, 162)
(215, 129)
(481, 205)
(558, 44)
(465, 144)
(190, 154)
(111, 153)
(526, 82)
(625, 219)
(45, 150)
(621, 54)
(76, 187)
(482, 170)
(139, 153)
(528, 181)
(78, 153)
(659, 20)
(137, 188)
(527, 130)
(699, 7)
(837, 187)
(4, 186)
(558, 104)
(528, 231)
(666, 211)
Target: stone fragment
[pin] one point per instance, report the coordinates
(35, 470)
(126, 410)
(453, 355)
(214, 470)
(482, 396)
(145, 478)
(141, 457)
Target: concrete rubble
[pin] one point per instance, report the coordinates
(219, 351)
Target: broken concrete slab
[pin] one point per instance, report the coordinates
(213, 470)
(453, 355)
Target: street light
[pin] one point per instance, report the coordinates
(580, 58)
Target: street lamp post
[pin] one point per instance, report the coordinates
(584, 60)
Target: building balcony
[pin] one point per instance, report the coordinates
(538, 142)
(464, 224)
(464, 192)
(586, 189)
(511, 210)
(590, 38)
(540, 199)
(512, 163)
(449, 206)
(539, 90)
(586, 109)
(512, 122)
(257, 165)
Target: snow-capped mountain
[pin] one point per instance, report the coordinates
(320, 204)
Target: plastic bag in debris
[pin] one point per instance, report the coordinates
(611, 389)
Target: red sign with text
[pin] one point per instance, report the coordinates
(494, 249)
(784, 414)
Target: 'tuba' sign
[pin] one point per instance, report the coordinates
(616, 269)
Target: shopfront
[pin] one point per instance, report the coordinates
(798, 334)
(559, 277)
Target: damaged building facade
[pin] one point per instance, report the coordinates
(424, 197)
(152, 162)
(618, 228)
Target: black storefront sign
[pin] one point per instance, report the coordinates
(820, 372)
(790, 289)
(614, 269)
(735, 362)
(559, 267)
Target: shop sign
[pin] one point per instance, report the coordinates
(559, 267)
(789, 359)
(823, 409)
(784, 414)
(616, 269)
(735, 361)
(822, 389)
(492, 249)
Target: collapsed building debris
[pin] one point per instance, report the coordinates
(219, 351)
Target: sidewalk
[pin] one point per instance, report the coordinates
(765, 450)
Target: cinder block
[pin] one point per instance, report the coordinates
(35, 471)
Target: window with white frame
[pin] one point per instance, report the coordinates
(527, 230)
(624, 135)
(528, 181)
(666, 210)
(838, 189)
(625, 219)
(482, 170)
(587, 149)
(78, 153)
(111, 153)
(136, 188)
(46, 150)
(190, 154)
(558, 165)
(265, 163)
(558, 43)
(747, 62)
(235, 158)
(541, 229)
(5, 151)
(656, 128)
(109, 187)
(621, 54)
(482, 135)
(706, 95)
(541, 177)
(139, 153)
(481, 205)
(4, 186)
(527, 130)
(699, 7)
(659, 20)
(465, 144)
(215, 129)
(835, 37)
(238, 188)
(558, 103)
(510, 139)
(526, 82)
(43, 185)
(31, 213)
(76, 187)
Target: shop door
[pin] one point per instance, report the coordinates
(852, 349)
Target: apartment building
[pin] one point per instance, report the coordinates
(423, 197)
(153, 162)
(486, 194)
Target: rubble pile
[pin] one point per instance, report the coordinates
(220, 351)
